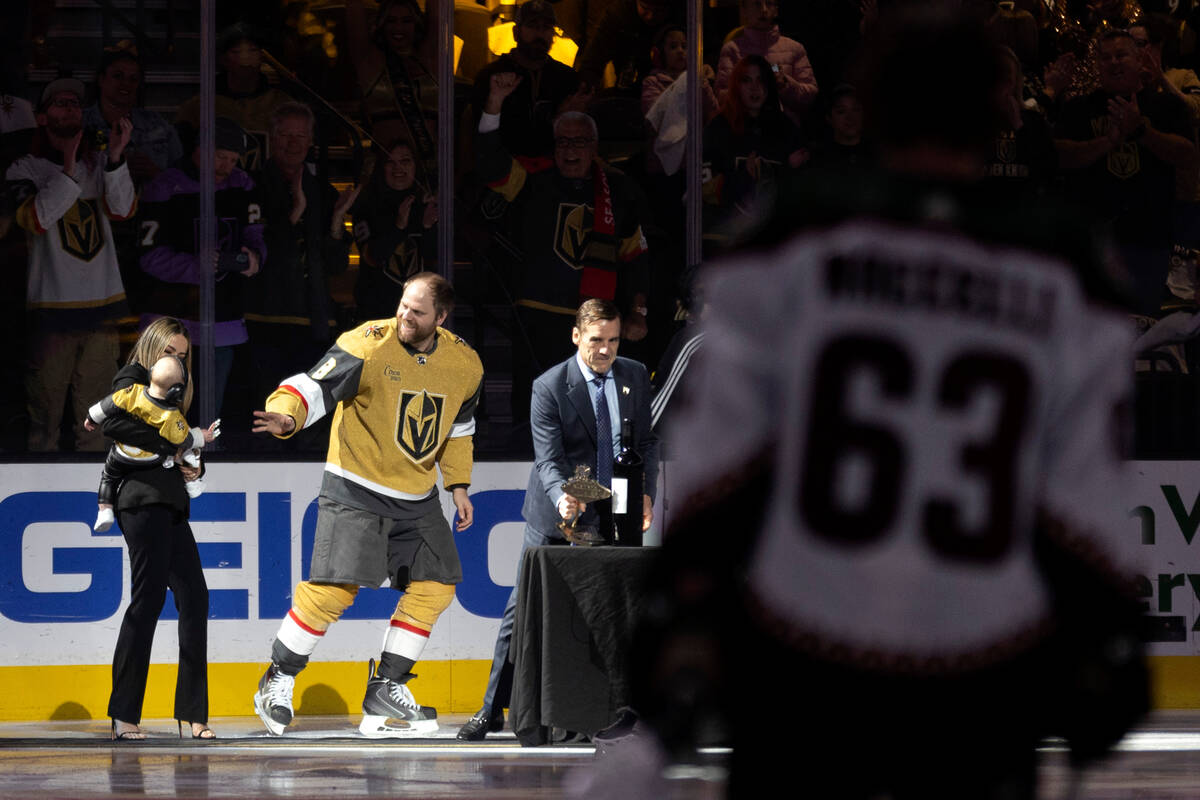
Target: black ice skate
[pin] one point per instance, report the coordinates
(389, 709)
(273, 700)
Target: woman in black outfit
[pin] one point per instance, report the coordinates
(152, 508)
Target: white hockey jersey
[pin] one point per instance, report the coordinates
(72, 261)
(923, 397)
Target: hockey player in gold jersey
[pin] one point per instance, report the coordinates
(402, 393)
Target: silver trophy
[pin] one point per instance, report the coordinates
(583, 488)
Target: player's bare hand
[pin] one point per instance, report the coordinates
(466, 511)
(273, 423)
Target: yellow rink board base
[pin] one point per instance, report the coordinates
(453, 687)
(81, 692)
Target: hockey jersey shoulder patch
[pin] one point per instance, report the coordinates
(367, 337)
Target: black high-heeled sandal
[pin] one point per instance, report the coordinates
(206, 733)
(134, 735)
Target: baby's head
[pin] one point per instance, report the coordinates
(168, 380)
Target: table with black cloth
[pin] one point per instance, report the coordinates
(576, 609)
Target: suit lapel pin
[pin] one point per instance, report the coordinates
(624, 390)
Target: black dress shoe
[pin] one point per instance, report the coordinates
(481, 725)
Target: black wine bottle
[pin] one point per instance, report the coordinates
(628, 488)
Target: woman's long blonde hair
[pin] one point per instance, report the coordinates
(152, 345)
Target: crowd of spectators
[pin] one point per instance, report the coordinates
(570, 180)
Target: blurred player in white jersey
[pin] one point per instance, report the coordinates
(903, 513)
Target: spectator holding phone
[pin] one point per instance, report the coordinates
(170, 222)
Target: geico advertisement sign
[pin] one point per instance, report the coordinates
(63, 587)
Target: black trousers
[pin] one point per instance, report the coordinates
(162, 554)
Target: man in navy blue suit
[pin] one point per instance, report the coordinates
(563, 420)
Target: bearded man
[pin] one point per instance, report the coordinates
(403, 393)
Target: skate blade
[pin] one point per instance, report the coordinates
(274, 728)
(380, 727)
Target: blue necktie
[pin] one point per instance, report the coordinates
(604, 454)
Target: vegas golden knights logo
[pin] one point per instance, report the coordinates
(405, 261)
(420, 420)
(1125, 160)
(256, 151)
(1122, 162)
(572, 232)
(80, 231)
(1006, 147)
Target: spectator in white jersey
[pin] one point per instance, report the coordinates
(906, 536)
(65, 192)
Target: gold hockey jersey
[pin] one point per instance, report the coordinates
(167, 421)
(397, 414)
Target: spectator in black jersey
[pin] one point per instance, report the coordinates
(1120, 147)
(395, 226)
(581, 232)
(290, 316)
(547, 87)
(1024, 161)
(170, 219)
(1162, 75)
(842, 151)
(243, 94)
(748, 146)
